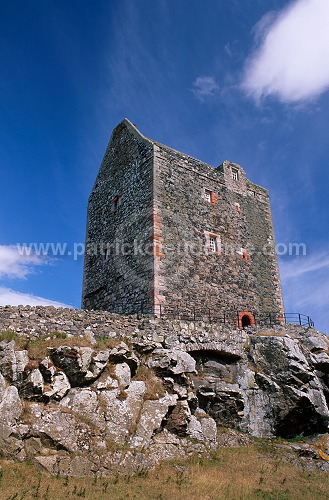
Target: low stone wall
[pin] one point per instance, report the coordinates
(40, 321)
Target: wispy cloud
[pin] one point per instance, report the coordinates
(291, 60)
(15, 265)
(204, 86)
(305, 283)
(10, 297)
(303, 265)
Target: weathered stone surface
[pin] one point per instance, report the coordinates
(79, 364)
(179, 419)
(276, 385)
(121, 416)
(122, 354)
(171, 361)
(152, 415)
(122, 374)
(2, 385)
(11, 443)
(315, 343)
(59, 386)
(105, 381)
(12, 363)
(321, 361)
(33, 386)
(60, 427)
(10, 406)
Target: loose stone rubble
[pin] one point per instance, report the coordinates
(100, 402)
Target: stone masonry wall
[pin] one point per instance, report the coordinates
(166, 230)
(230, 279)
(119, 220)
(41, 321)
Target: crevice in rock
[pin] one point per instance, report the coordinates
(302, 420)
(46, 440)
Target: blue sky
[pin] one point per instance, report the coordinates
(245, 81)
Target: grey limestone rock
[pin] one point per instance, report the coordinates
(173, 362)
(11, 406)
(122, 374)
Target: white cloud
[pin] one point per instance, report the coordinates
(292, 59)
(305, 284)
(15, 265)
(10, 297)
(204, 86)
(303, 265)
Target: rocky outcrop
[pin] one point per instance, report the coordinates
(121, 406)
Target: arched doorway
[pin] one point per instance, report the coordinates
(245, 321)
(245, 318)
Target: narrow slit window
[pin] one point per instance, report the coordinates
(115, 203)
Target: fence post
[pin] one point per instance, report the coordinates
(300, 321)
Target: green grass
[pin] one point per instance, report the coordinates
(230, 474)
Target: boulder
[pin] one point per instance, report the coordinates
(121, 416)
(59, 387)
(172, 362)
(122, 354)
(12, 363)
(123, 374)
(32, 387)
(316, 343)
(80, 365)
(11, 443)
(152, 415)
(10, 406)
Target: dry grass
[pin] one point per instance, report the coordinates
(38, 348)
(154, 384)
(270, 333)
(231, 474)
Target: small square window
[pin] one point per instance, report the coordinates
(209, 196)
(235, 174)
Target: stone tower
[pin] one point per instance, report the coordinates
(167, 231)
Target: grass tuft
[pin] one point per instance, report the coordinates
(248, 473)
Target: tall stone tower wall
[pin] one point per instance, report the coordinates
(120, 218)
(177, 231)
(197, 202)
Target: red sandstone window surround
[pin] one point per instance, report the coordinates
(244, 254)
(213, 242)
(237, 207)
(209, 196)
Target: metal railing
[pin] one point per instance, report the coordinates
(211, 315)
